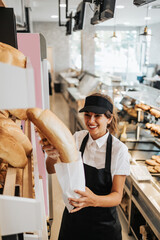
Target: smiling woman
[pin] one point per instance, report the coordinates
(106, 164)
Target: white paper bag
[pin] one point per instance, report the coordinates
(70, 177)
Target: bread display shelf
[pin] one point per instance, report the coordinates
(22, 213)
(17, 86)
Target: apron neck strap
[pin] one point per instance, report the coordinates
(108, 153)
(83, 145)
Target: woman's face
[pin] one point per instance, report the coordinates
(96, 124)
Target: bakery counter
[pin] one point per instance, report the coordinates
(141, 200)
(67, 82)
(143, 205)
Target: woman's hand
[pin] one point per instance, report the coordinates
(51, 151)
(87, 199)
(53, 156)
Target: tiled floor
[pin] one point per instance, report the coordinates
(59, 106)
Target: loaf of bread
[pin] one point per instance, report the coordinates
(11, 55)
(155, 112)
(18, 113)
(16, 132)
(5, 113)
(11, 150)
(55, 132)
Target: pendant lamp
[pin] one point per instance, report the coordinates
(114, 36)
(145, 31)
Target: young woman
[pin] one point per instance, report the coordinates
(106, 164)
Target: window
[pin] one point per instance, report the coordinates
(116, 57)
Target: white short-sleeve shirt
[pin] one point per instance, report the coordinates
(95, 150)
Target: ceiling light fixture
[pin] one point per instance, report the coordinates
(114, 37)
(145, 31)
(62, 5)
(119, 6)
(54, 16)
(147, 18)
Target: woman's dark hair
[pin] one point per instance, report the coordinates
(113, 126)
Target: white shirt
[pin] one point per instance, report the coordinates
(95, 151)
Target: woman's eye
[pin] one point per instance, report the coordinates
(86, 114)
(98, 115)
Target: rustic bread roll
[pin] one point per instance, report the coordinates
(11, 150)
(155, 112)
(56, 133)
(16, 132)
(5, 113)
(11, 55)
(19, 113)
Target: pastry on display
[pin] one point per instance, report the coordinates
(157, 158)
(151, 169)
(152, 162)
(143, 106)
(155, 112)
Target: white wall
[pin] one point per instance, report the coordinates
(56, 38)
(154, 56)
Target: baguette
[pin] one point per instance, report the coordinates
(16, 132)
(11, 150)
(55, 132)
(11, 55)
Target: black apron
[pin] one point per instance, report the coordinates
(95, 223)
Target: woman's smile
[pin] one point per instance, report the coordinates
(96, 124)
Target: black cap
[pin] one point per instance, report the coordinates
(97, 104)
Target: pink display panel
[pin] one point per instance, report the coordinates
(29, 45)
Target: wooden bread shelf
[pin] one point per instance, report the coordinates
(22, 200)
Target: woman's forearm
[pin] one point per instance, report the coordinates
(110, 200)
